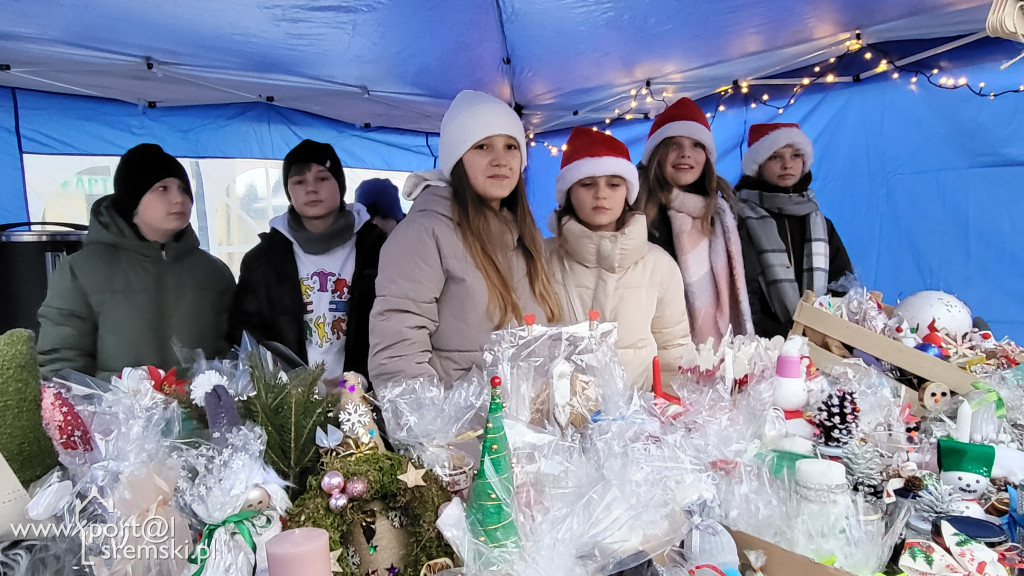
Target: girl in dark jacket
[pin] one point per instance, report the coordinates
(789, 246)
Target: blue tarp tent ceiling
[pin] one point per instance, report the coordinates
(920, 180)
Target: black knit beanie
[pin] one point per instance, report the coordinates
(311, 152)
(139, 169)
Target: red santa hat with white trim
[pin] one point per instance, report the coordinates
(682, 118)
(591, 153)
(764, 139)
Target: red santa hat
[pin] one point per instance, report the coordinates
(764, 139)
(682, 118)
(592, 153)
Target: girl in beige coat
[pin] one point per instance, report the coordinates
(601, 259)
(467, 259)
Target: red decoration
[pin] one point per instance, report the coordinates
(658, 390)
(63, 423)
(593, 315)
(167, 384)
(530, 319)
(495, 381)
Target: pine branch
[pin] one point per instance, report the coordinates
(289, 412)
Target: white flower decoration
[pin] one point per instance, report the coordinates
(203, 384)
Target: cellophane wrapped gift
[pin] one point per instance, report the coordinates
(437, 423)
(597, 485)
(115, 441)
(236, 497)
(557, 378)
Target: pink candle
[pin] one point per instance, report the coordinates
(299, 552)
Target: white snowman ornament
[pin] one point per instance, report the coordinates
(948, 312)
(790, 393)
(967, 469)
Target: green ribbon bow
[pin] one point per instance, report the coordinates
(992, 396)
(241, 523)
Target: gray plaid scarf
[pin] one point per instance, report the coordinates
(778, 279)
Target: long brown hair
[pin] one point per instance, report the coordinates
(472, 218)
(656, 190)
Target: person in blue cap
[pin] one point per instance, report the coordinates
(380, 197)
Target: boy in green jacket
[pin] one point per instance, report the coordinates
(139, 281)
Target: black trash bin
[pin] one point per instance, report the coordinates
(27, 258)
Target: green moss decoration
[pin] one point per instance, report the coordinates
(24, 444)
(418, 505)
(290, 414)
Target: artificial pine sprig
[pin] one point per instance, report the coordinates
(290, 409)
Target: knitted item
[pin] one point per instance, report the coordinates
(712, 268)
(137, 171)
(23, 442)
(472, 117)
(778, 272)
(710, 544)
(313, 152)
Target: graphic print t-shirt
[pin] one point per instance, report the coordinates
(325, 280)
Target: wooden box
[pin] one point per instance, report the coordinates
(819, 326)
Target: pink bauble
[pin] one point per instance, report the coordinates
(357, 488)
(332, 482)
(337, 502)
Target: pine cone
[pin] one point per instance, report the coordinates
(914, 484)
(1000, 483)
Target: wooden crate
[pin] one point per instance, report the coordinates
(823, 330)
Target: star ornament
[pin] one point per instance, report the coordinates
(413, 477)
(335, 567)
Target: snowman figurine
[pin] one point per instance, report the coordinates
(967, 468)
(790, 393)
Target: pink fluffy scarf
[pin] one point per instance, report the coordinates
(712, 267)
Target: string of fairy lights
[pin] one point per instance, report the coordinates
(824, 72)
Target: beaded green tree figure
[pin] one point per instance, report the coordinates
(489, 511)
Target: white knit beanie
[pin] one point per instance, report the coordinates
(472, 117)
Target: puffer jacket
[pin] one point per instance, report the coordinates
(627, 280)
(121, 300)
(431, 318)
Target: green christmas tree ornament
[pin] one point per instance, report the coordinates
(489, 511)
(24, 444)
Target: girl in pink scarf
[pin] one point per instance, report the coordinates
(689, 209)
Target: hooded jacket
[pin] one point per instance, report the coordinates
(431, 318)
(121, 300)
(269, 305)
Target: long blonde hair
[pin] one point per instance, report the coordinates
(656, 190)
(472, 218)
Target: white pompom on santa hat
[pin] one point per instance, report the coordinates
(764, 139)
(590, 153)
(682, 118)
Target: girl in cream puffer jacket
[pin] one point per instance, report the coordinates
(601, 259)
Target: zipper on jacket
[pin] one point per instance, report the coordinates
(789, 246)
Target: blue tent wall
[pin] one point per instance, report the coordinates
(922, 183)
(918, 180)
(13, 207)
(61, 124)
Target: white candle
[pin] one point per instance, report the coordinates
(299, 552)
(964, 414)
